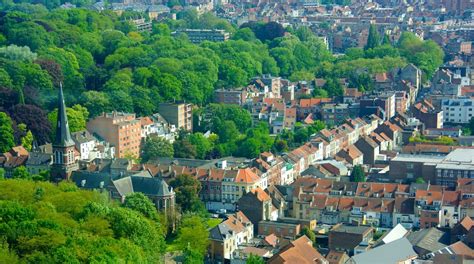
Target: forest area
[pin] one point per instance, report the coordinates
(104, 64)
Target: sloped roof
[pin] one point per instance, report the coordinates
(395, 252)
(149, 186)
(429, 239)
(261, 194)
(299, 251)
(246, 176)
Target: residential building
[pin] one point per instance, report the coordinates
(404, 212)
(369, 148)
(38, 162)
(230, 96)
(64, 161)
(456, 165)
(227, 236)
(180, 115)
(337, 257)
(301, 251)
(237, 183)
(384, 101)
(122, 130)
(13, 159)
(351, 155)
(408, 167)
(459, 111)
(335, 113)
(279, 228)
(428, 114)
(197, 36)
(346, 238)
(428, 207)
(257, 206)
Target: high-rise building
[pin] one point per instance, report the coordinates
(180, 115)
(122, 130)
(64, 162)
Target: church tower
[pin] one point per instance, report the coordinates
(63, 146)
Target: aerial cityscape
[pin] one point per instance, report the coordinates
(237, 131)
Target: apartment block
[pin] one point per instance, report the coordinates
(122, 130)
(230, 96)
(180, 115)
(459, 111)
(197, 36)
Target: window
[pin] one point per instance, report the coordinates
(58, 157)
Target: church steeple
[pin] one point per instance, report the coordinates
(63, 136)
(64, 162)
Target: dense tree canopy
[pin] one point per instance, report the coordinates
(46, 223)
(6, 133)
(156, 147)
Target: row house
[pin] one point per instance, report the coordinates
(220, 187)
(346, 134)
(437, 208)
(312, 106)
(278, 171)
(378, 204)
(304, 156)
(332, 202)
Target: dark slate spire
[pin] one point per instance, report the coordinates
(63, 136)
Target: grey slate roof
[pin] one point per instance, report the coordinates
(63, 136)
(149, 186)
(219, 232)
(39, 158)
(391, 253)
(82, 137)
(91, 180)
(429, 239)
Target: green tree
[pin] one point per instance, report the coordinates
(386, 40)
(357, 174)
(254, 259)
(155, 147)
(192, 256)
(202, 144)
(21, 173)
(13, 52)
(142, 204)
(27, 138)
(7, 140)
(184, 149)
(193, 234)
(426, 55)
(309, 234)
(96, 102)
(76, 115)
(420, 180)
(373, 40)
(187, 191)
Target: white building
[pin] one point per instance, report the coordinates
(90, 147)
(459, 110)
